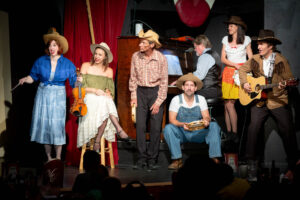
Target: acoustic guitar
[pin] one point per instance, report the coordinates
(258, 85)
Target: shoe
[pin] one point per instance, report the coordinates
(127, 139)
(152, 165)
(140, 164)
(176, 164)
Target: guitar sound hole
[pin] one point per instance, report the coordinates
(257, 87)
(253, 95)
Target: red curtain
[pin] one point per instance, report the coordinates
(107, 17)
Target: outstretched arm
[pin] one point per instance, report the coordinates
(26, 79)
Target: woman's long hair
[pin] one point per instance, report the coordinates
(240, 35)
(105, 60)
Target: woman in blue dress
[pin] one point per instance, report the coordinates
(49, 110)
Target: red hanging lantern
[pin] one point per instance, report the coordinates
(193, 13)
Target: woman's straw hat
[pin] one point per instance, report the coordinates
(53, 35)
(105, 48)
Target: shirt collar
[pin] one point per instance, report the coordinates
(205, 50)
(154, 55)
(272, 55)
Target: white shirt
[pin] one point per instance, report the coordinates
(204, 63)
(175, 105)
(267, 64)
(236, 54)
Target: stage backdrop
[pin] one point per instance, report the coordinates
(107, 17)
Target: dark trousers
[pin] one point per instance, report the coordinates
(284, 122)
(146, 97)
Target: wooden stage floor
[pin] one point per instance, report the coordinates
(126, 174)
(128, 156)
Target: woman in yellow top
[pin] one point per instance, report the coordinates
(102, 117)
(236, 48)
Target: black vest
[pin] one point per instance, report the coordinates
(213, 77)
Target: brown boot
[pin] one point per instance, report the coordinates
(176, 164)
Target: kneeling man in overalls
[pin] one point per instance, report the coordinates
(184, 109)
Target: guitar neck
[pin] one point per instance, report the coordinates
(268, 86)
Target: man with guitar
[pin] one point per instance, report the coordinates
(275, 69)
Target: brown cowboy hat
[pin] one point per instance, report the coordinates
(236, 20)
(53, 35)
(267, 35)
(105, 48)
(150, 36)
(189, 77)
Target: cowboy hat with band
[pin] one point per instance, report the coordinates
(237, 21)
(189, 77)
(268, 36)
(53, 35)
(105, 48)
(150, 36)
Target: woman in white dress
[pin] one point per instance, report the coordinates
(102, 117)
(236, 48)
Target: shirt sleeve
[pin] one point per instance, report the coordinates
(133, 78)
(225, 40)
(72, 74)
(205, 62)
(243, 70)
(202, 103)
(111, 87)
(35, 70)
(247, 40)
(163, 86)
(174, 105)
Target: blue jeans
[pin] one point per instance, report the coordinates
(174, 136)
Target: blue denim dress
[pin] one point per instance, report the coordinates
(174, 136)
(49, 114)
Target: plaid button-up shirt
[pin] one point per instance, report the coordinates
(149, 73)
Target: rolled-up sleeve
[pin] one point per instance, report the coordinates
(133, 77)
(72, 74)
(111, 87)
(34, 73)
(163, 86)
(243, 70)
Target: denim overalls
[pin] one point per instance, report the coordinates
(174, 135)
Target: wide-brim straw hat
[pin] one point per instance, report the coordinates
(150, 36)
(236, 20)
(189, 77)
(268, 36)
(105, 48)
(53, 35)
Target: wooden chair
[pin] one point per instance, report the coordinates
(103, 150)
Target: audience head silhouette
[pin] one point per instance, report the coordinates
(91, 160)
